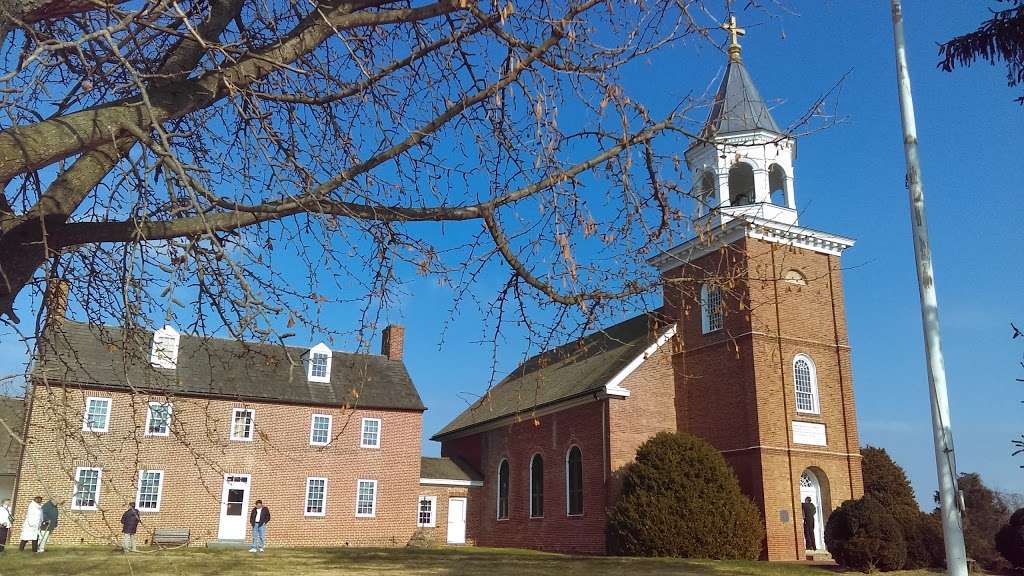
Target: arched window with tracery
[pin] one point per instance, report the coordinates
(805, 379)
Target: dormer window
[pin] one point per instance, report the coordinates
(319, 363)
(165, 348)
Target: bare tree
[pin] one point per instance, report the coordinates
(241, 163)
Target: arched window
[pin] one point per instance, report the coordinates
(741, 185)
(710, 308)
(536, 486)
(777, 184)
(574, 482)
(805, 379)
(503, 490)
(795, 277)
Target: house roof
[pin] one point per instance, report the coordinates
(575, 369)
(12, 415)
(447, 469)
(118, 358)
(738, 106)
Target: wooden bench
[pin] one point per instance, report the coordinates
(171, 536)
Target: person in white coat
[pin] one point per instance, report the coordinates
(5, 523)
(30, 526)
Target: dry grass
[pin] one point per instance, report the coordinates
(360, 561)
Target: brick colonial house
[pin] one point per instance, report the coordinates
(196, 429)
(749, 352)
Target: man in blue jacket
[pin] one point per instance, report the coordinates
(259, 517)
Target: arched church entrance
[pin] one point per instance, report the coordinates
(814, 485)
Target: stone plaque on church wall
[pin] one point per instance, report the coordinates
(809, 433)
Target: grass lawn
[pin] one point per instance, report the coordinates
(80, 561)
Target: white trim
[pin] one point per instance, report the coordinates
(323, 500)
(450, 482)
(85, 417)
(530, 501)
(613, 388)
(373, 512)
(362, 433)
(159, 491)
(330, 429)
(717, 236)
(74, 488)
(149, 417)
(497, 491)
(567, 452)
(252, 424)
(813, 374)
(433, 512)
(320, 348)
(801, 450)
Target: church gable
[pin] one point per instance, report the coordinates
(598, 363)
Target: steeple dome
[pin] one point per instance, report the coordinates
(738, 106)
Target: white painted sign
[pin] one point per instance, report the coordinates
(809, 433)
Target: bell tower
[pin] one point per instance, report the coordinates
(763, 369)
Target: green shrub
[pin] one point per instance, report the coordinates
(1010, 539)
(887, 483)
(863, 535)
(680, 498)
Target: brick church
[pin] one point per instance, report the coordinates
(749, 352)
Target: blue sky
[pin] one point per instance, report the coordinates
(848, 180)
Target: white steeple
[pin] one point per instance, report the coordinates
(742, 164)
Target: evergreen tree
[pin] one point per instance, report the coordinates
(1000, 38)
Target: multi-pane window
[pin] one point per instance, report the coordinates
(805, 382)
(241, 424)
(318, 365)
(574, 482)
(97, 415)
(366, 498)
(320, 430)
(371, 433)
(158, 419)
(503, 490)
(316, 496)
(426, 512)
(87, 488)
(710, 308)
(150, 485)
(536, 486)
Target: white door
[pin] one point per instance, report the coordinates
(810, 488)
(456, 520)
(234, 502)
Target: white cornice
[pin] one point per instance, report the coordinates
(751, 227)
(614, 386)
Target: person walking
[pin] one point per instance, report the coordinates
(5, 523)
(809, 510)
(259, 517)
(49, 524)
(129, 525)
(30, 526)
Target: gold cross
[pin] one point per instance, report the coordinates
(734, 33)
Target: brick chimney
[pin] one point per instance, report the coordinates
(56, 299)
(392, 341)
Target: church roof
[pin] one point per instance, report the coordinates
(115, 358)
(579, 368)
(447, 469)
(738, 106)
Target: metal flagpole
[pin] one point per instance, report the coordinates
(945, 462)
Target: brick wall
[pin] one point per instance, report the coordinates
(439, 533)
(199, 453)
(551, 436)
